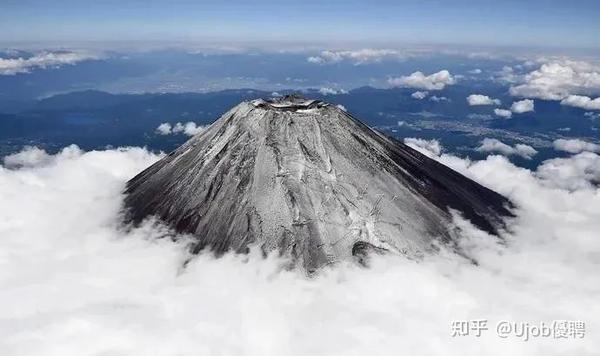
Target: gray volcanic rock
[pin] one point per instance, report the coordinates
(305, 178)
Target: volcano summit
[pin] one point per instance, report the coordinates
(305, 178)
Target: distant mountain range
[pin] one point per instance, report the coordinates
(94, 119)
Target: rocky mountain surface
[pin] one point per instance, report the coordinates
(305, 178)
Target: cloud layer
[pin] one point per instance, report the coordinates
(418, 80)
(581, 101)
(575, 146)
(331, 91)
(519, 107)
(189, 128)
(495, 145)
(73, 282)
(581, 171)
(47, 59)
(507, 114)
(419, 95)
(557, 79)
(479, 99)
(361, 56)
(428, 147)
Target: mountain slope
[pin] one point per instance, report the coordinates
(305, 178)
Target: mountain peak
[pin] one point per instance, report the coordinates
(291, 102)
(308, 180)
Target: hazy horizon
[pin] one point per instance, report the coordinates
(538, 23)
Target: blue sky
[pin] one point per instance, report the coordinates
(545, 23)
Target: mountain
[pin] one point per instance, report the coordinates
(81, 100)
(305, 178)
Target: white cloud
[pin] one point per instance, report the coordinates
(575, 146)
(508, 75)
(581, 171)
(189, 128)
(479, 99)
(525, 151)
(419, 95)
(557, 79)
(36, 157)
(341, 107)
(418, 80)
(438, 99)
(476, 71)
(519, 107)
(592, 115)
(427, 147)
(362, 56)
(315, 59)
(48, 59)
(73, 282)
(331, 91)
(494, 145)
(507, 114)
(164, 129)
(580, 101)
(28, 157)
